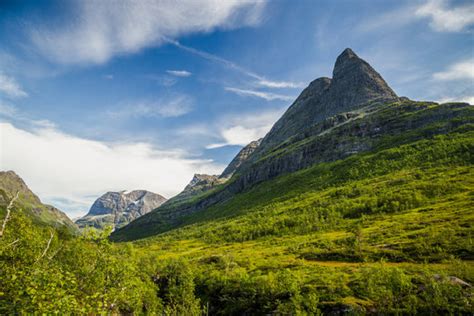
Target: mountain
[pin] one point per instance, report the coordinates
(119, 208)
(28, 202)
(350, 116)
(199, 184)
(354, 84)
(241, 157)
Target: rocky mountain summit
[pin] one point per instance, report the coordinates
(354, 84)
(119, 208)
(30, 203)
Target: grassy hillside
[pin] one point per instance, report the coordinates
(384, 231)
(341, 152)
(31, 205)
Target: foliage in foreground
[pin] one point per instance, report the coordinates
(88, 275)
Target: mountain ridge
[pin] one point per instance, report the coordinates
(354, 113)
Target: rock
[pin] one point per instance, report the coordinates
(200, 183)
(354, 84)
(241, 157)
(453, 280)
(120, 208)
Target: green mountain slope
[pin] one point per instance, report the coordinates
(357, 202)
(29, 203)
(371, 131)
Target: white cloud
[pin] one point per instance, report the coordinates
(442, 17)
(458, 71)
(241, 129)
(179, 73)
(10, 87)
(103, 29)
(280, 84)
(260, 94)
(164, 107)
(109, 76)
(215, 59)
(445, 18)
(70, 172)
(469, 99)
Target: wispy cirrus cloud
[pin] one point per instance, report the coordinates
(179, 73)
(100, 30)
(460, 70)
(268, 96)
(260, 80)
(7, 110)
(165, 107)
(10, 87)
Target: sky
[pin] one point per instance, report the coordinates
(100, 96)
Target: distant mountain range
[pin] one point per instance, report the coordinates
(117, 209)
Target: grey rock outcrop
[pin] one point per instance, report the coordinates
(119, 208)
(242, 156)
(200, 183)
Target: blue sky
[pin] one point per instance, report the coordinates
(119, 95)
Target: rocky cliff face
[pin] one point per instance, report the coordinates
(11, 183)
(119, 208)
(200, 183)
(242, 156)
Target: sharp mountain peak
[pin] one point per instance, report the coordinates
(353, 85)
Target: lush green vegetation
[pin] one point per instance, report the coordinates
(41, 214)
(388, 231)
